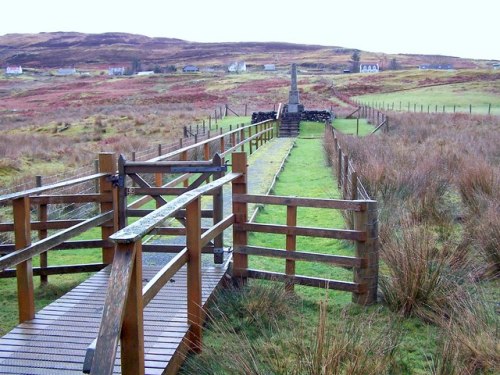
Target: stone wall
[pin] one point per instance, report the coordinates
(263, 116)
(317, 116)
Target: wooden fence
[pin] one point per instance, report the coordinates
(401, 106)
(52, 234)
(348, 180)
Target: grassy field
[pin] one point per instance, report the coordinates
(350, 126)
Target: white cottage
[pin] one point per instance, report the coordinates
(269, 67)
(237, 67)
(14, 70)
(369, 68)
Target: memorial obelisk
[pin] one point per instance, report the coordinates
(292, 113)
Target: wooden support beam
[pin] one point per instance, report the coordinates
(43, 217)
(24, 269)
(194, 308)
(368, 250)
(291, 244)
(107, 164)
(240, 211)
(120, 279)
(132, 333)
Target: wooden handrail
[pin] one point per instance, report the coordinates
(201, 143)
(29, 252)
(38, 190)
(146, 224)
(357, 206)
(246, 140)
(340, 234)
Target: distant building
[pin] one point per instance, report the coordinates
(66, 71)
(237, 67)
(435, 67)
(146, 73)
(496, 66)
(116, 71)
(190, 69)
(14, 70)
(369, 68)
(269, 67)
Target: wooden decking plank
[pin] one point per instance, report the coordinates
(55, 341)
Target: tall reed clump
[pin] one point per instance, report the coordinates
(436, 178)
(280, 341)
(470, 339)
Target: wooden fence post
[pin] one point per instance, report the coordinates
(354, 185)
(42, 233)
(339, 168)
(24, 270)
(107, 164)
(240, 237)
(345, 178)
(218, 209)
(242, 137)
(250, 141)
(291, 245)
(194, 304)
(132, 333)
(246, 108)
(367, 277)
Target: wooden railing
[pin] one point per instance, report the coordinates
(58, 234)
(126, 298)
(364, 234)
(21, 253)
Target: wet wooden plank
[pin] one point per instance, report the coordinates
(55, 341)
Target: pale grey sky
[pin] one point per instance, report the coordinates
(447, 27)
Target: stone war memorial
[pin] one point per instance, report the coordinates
(293, 112)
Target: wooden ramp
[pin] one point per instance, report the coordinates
(55, 342)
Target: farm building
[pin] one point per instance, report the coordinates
(66, 71)
(269, 67)
(435, 67)
(146, 73)
(496, 66)
(116, 71)
(369, 68)
(190, 69)
(14, 70)
(237, 67)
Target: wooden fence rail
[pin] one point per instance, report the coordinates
(364, 234)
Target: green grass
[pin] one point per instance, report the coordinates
(456, 97)
(348, 126)
(306, 174)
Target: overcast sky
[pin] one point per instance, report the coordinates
(446, 27)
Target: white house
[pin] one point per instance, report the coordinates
(237, 67)
(190, 69)
(269, 67)
(14, 70)
(369, 68)
(116, 71)
(66, 71)
(146, 73)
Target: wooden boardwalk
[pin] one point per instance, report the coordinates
(55, 342)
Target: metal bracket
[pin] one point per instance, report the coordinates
(116, 180)
(199, 169)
